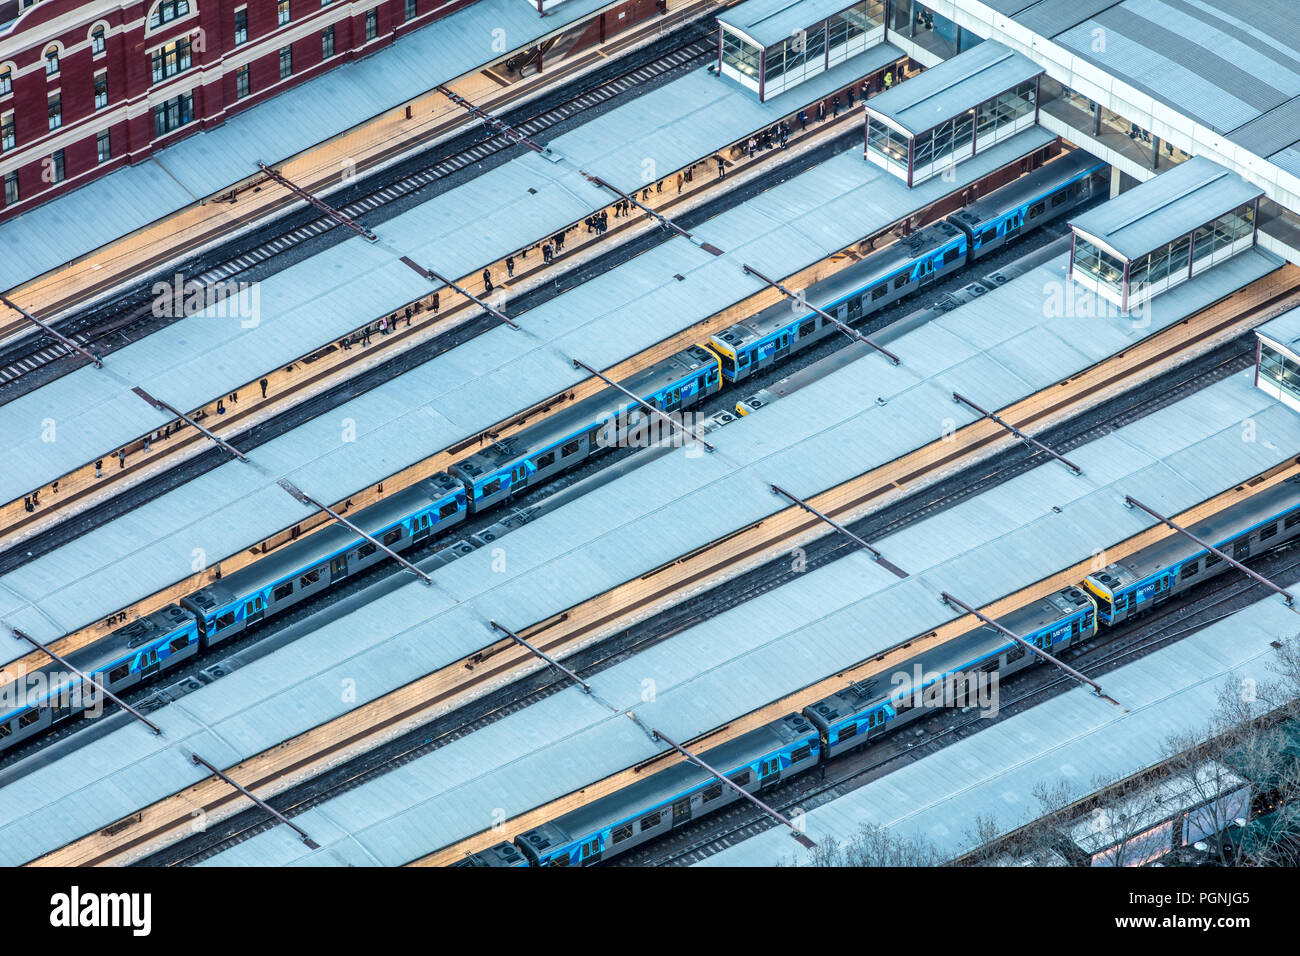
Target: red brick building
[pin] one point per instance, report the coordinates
(87, 86)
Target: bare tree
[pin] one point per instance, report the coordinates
(877, 846)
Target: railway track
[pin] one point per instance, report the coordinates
(529, 690)
(105, 333)
(1130, 641)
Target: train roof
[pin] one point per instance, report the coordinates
(470, 388)
(580, 416)
(789, 638)
(1027, 187)
(1074, 740)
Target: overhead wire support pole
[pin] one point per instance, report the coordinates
(804, 840)
(52, 331)
(1051, 659)
(643, 403)
(311, 844)
(663, 220)
(879, 558)
(307, 499)
(87, 680)
(324, 207)
(963, 400)
(847, 330)
(171, 409)
(437, 277)
(586, 688)
(490, 121)
(1132, 502)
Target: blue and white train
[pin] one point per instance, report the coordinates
(30, 704)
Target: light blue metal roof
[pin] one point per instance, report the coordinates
(467, 389)
(318, 300)
(954, 86)
(1072, 740)
(1220, 62)
(317, 110)
(768, 22)
(1160, 210)
(822, 622)
(979, 550)
(1284, 330)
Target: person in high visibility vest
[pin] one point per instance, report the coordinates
(889, 79)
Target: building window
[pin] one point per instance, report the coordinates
(57, 171)
(52, 61)
(167, 11)
(327, 43)
(101, 90)
(171, 59)
(103, 147)
(56, 111)
(410, 9)
(372, 24)
(7, 138)
(242, 87)
(11, 188)
(97, 40)
(241, 27)
(173, 114)
(6, 82)
(282, 12)
(286, 62)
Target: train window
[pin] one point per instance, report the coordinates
(367, 549)
(310, 578)
(446, 511)
(855, 305)
(622, 833)
(728, 363)
(1188, 570)
(1036, 210)
(699, 384)
(392, 537)
(880, 291)
(118, 673)
(990, 665)
(591, 848)
(1211, 560)
(490, 488)
(1266, 533)
(650, 820)
(801, 754)
(225, 620)
(903, 705)
(741, 779)
(1060, 197)
(712, 792)
(950, 256)
(990, 234)
(29, 718)
(559, 860)
(743, 361)
(1291, 520)
(807, 327)
(901, 280)
(546, 461)
(6, 729)
(178, 644)
(570, 448)
(846, 732)
(282, 591)
(1015, 653)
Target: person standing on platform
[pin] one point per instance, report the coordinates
(487, 280)
(803, 120)
(722, 168)
(510, 260)
(263, 383)
(821, 111)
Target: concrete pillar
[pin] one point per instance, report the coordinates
(1115, 175)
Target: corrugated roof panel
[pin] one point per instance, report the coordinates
(771, 21)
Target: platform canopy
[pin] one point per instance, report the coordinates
(1164, 231)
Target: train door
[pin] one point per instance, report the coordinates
(681, 811)
(254, 610)
(1241, 549)
(590, 852)
(769, 772)
(339, 568)
(149, 663)
(783, 344)
(925, 272)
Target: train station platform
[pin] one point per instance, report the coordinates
(1163, 232)
(1070, 741)
(998, 349)
(313, 303)
(783, 641)
(950, 112)
(468, 389)
(349, 119)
